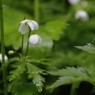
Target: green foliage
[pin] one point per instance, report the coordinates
(70, 71)
(88, 48)
(60, 32)
(63, 80)
(54, 29)
(71, 75)
(75, 86)
(20, 68)
(38, 81)
(11, 26)
(21, 87)
(32, 71)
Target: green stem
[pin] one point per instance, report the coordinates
(36, 10)
(4, 70)
(22, 46)
(27, 45)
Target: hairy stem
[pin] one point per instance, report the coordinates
(4, 70)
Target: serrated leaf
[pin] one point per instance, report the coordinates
(41, 61)
(71, 75)
(19, 70)
(32, 70)
(62, 80)
(38, 81)
(68, 80)
(88, 48)
(70, 71)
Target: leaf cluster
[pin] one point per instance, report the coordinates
(29, 71)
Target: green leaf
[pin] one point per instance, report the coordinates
(32, 70)
(71, 75)
(54, 29)
(62, 81)
(88, 48)
(20, 87)
(20, 68)
(75, 85)
(69, 71)
(38, 81)
(11, 24)
(68, 80)
(41, 61)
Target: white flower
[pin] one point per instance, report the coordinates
(73, 2)
(82, 15)
(23, 28)
(5, 57)
(35, 39)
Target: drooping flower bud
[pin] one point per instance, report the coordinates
(35, 39)
(82, 15)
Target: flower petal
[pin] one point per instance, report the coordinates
(35, 24)
(30, 24)
(23, 28)
(40, 40)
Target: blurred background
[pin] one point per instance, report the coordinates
(63, 24)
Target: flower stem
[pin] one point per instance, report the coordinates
(27, 45)
(22, 46)
(4, 70)
(36, 10)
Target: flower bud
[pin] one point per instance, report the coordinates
(11, 52)
(73, 2)
(35, 39)
(5, 57)
(82, 15)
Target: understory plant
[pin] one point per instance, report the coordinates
(20, 74)
(40, 59)
(77, 74)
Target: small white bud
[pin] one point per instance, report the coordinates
(73, 2)
(35, 39)
(82, 15)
